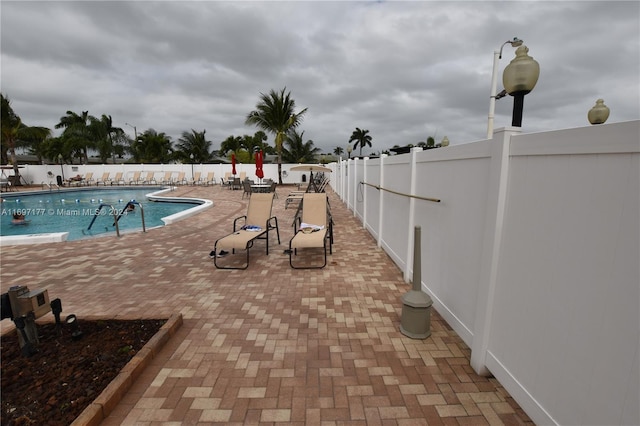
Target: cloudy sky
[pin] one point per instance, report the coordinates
(403, 70)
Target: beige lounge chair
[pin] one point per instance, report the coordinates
(245, 230)
(196, 180)
(166, 180)
(313, 228)
(210, 179)
(180, 180)
(105, 179)
(136, 179)
(150, 179)
(118, 179)
(88, 179)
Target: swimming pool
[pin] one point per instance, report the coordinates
(67, 215)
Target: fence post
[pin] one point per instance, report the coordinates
(381, 200)
(496, 202)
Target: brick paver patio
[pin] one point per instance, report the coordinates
(269, 344)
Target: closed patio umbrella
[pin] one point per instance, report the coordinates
(233, 164)
(259, 171)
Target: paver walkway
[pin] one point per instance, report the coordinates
(267, 345)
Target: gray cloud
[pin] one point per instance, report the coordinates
(403, 70)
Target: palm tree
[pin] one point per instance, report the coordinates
(77, 132)
(361, 137)
(102, 133)
(231, 144)
(275, 113)
(298, 151)
(152, 147)
(338, 151)
(14, 132)
(193, 147)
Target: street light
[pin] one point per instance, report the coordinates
(497, 55)
(192, 157)
(519, 78)
(61, 168)
(349, 149)
(135, 131)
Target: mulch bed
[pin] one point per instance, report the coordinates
(57, 383)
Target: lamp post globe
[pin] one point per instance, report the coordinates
(497, 55)
(599, 113)
(519, 78)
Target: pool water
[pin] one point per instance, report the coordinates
(73, 212)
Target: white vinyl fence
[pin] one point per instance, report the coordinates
(530, 251)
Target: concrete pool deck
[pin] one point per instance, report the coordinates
(269, 344)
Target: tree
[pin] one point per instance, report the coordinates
(298, 151)
(361, 138)
(77, 132)
(275, 113)
(152, 147)
(231, 144)
(14, 133)
(193, 147)
(338, 151)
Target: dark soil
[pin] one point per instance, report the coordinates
(53, 386)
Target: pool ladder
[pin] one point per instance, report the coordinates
(118, 216)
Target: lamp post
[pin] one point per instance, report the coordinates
(519, 78)
(135, 131)
(191, 156)
(497, 55)
(61, 168)
(349, 149)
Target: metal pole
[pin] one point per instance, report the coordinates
(518, 106)
(494, 89)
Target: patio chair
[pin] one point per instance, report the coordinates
(88, 179)
(246, 188)
(256, 224)
(180, 180)
(210, 179)
(104, 179)
(196, 180)
(136, 179)
(313, 228)
(150, 179)
(166, 180)
(118, 179)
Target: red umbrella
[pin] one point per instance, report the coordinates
(233, 164)
(259, 171)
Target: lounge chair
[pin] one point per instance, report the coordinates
(150, 179)
(256, 224)
(105, 179)
(88, 179)
(136, 179)
(196, 180)
(118, 179)
(5, 184)
(210, 179)
(166, 180)
(180, 180)
(313, 228)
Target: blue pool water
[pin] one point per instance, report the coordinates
(73, 211)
